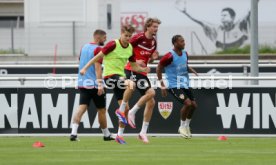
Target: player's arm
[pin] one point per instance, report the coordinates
(159, 71)
(164, 61)
(109, 47)
(98, 70)
(91, 62)
(137, 68)
(192, 70)
(154, 56)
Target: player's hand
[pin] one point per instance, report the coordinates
(164, 92)
(100, 90)
(147, 69)
(155, 55)
(141, 63)
(82, 71)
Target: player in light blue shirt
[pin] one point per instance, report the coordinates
(91, 87)
(177, 70)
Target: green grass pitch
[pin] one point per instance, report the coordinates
(161, 151)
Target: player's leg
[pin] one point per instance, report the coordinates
(122, 112)
(83, 105)
(183, 99)
(76, 121)
(120, 135)
(147, 93)
(100, 103)
(147, 117)
(144, 87)
(184, 128)
(150, 93)
(118, 89)
(148, 99)
(129, 89)
(103, 124)
(193, 108)
(190, 106)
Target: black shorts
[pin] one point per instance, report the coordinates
(86, 95)
(116, 82)
(142, 82)
(182, 94)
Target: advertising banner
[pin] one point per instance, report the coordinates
(220, 111)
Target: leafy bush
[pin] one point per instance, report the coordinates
(9, 51)
(263, 49)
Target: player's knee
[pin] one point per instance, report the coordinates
(102, 111)
(188, 103)
(194, 105)
(151, 93)
(152, 102)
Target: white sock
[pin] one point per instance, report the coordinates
(122, 107)
(121, 131)
(134, 109)
(106, 132)
(187, 122)
(144, 128)
(75, 127)
(182, 123)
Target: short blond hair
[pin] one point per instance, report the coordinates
(150, 21)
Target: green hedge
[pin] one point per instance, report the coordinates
(9, 51)
(263, 49)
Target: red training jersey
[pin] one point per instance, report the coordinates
(143, 48)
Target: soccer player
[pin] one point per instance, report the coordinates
(90, 88)
(176, 68)
(116, 54)
(144, 51)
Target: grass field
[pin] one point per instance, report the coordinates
(161, 151)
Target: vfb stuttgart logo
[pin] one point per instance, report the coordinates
(165, 109)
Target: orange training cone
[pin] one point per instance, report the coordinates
(222, 138)
(38, 144)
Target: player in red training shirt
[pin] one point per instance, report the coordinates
(144, 51)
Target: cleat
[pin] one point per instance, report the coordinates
(120, 140)
(189, 132)
(121, 116)
(184, 132)
(131, 120)
(74, 138)
(143, 138)
(108, 138)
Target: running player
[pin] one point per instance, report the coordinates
(89, 88)
(115, 55)
(144, 50)
(176, 68)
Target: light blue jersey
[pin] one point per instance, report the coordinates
(87, 80)
(177, 72)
